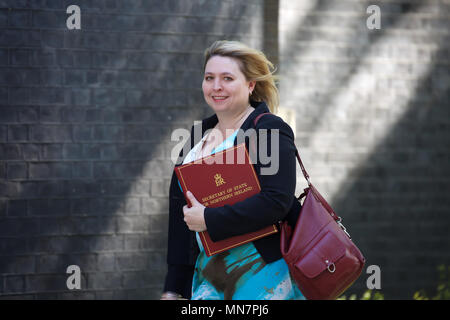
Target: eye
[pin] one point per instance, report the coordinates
(228, 78)
(207, 78)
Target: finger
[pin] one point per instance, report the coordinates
(189, 225)
(191, 197)
(186, 209)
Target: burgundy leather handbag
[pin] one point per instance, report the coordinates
(320, 254)
(322, 258)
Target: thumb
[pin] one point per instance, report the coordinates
(191, 197)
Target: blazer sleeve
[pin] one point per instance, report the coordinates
(277, 180)
(182, 249)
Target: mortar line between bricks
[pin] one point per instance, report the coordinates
(388, 31)
(119, 13)
(345, 14)
(331, 61)
(162, 33)
(363, 14)
(374, 61)
(329, 30)
(147, 33)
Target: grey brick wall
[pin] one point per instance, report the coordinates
(85, 123)
(373, 119)
(86, 118)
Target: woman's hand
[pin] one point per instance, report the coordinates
(194, 216)
(168, 295)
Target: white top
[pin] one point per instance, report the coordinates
(195, 152)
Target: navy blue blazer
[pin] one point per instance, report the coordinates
(276, 202)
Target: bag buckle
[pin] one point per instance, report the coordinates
(331, 267)
(343, 227)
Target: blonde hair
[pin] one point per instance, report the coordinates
(254, 65)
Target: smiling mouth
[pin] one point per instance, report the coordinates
(219, 98)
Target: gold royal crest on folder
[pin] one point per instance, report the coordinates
(219, 180)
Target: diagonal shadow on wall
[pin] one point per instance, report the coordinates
(309, 30)
(397, 203)
(411, 163)
(90, 219)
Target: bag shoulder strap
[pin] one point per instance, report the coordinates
(311, 187)
(297, 154)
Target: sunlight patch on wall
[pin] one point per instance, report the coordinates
(348, 92)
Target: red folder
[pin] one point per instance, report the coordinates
(223, 178)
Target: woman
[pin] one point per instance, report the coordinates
(238, 86)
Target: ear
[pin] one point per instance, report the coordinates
(251, 86)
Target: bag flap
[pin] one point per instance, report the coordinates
(323, 254)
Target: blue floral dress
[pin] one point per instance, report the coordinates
(239, 273)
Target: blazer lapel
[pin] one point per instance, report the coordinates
(210, 122)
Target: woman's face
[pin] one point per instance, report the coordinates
(224, 85)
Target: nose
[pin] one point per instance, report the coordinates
(217, 86)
